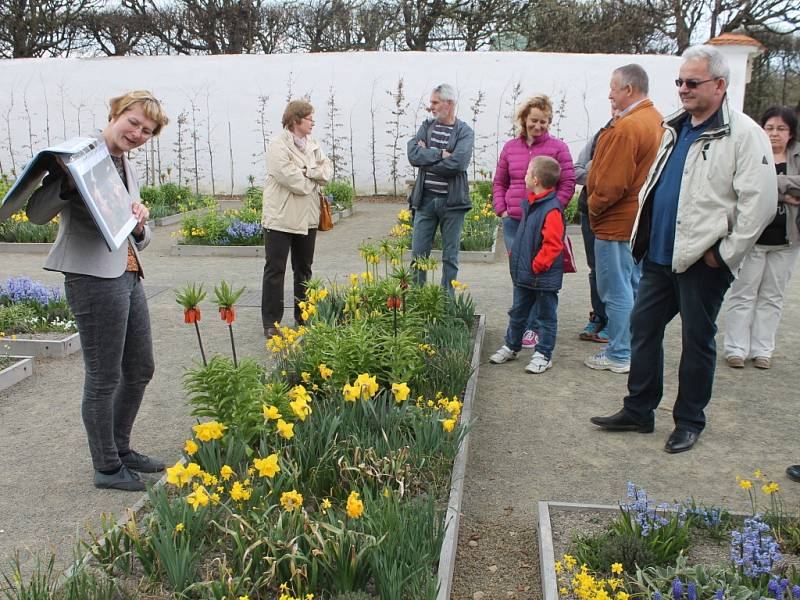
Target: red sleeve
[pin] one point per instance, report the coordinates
(552, 242)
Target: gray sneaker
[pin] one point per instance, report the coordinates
(601, 362)
(141, 462)
(124, 479)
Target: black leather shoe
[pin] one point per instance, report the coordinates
(622, 421)
(680, 440)
(793, 472)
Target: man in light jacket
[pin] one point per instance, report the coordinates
(441, 150)
(709, 194)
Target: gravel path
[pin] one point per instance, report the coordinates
(531, 439)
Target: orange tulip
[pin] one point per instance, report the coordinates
(191, 315)
(227, 314)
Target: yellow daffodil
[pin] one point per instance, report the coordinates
(324, 371)
(770, 487)
(368, 385)
(211, 430)
(179, 527)
(355, 507)
(351, 392)
(270, 412)
(745, 484)
(622, 596)
(300, 408)
(209, 479)
(758, 474)
(285, 430)
(267, 467)
(225, 472)
(199, 497)
(190, 447)
(305, 376)
(453, 407)
(448, 425)
(326, 505)
(291, 500)
(616, 568)
(239, 492)
(400, 391)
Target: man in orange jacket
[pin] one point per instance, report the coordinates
(625, 150)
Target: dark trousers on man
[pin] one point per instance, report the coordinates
(696, 295)
(277, 246)
(598, 307)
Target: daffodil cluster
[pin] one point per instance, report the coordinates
(287, 339)
(444, 408)
(580, 583)
(363, 388)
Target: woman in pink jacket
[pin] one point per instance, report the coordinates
(533, 119)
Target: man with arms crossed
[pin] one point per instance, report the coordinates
(441, 151)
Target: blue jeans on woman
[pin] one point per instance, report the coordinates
(431, 214)
(510, 226)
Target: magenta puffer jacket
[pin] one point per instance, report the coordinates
(509, 178)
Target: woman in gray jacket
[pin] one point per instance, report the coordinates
(104, 291)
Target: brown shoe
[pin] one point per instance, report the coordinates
(762, 362)
(735, 362)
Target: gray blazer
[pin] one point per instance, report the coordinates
(79, 246)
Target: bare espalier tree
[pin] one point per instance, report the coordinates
(35, 28)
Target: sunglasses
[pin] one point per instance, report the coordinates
(691, 83)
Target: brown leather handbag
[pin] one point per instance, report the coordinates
(325, 217)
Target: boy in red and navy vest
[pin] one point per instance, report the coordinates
(537, 266)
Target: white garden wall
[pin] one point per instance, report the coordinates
(229, 103)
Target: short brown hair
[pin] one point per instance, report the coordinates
(151, 107)
(296, 111)
(539, 101)
(546, 169)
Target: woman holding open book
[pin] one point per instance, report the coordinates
(104, 291)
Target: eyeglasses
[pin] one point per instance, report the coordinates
(309, 119)
(692, 83)
(779, 128)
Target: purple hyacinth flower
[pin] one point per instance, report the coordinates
(677, 588)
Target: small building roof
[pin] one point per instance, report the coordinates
(736, 39)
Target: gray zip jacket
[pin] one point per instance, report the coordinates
(728, 194)
(453, 167)
(79, 245)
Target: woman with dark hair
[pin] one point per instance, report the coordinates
(296, 171)
(756, 297)
(104, 291)
(508, 188)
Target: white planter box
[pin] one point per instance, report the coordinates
(22, 369)
(55, 348)
(177, 217)
(473, 256)
(447, 556)
(231, 251)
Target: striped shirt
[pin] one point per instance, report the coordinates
(440, 137)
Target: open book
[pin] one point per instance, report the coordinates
(89, 165)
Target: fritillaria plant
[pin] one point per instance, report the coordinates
(190, 298)
(225, 297)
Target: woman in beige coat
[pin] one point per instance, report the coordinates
(296, 171)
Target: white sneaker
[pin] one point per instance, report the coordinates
(539, 364)
(503, 355)
(601, 362)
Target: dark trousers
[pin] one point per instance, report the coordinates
(114, 326)
(277, 245)
(545, 302)
(697, 296)
(598, 308)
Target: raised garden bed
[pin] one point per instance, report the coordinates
(474, 256)
(237, 251)
(51, 345)
(21, 367)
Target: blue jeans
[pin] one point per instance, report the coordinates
(598, 308)
(617, 282)
(697, 295)
(546, 304)
(431, 214)
(510, 226)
